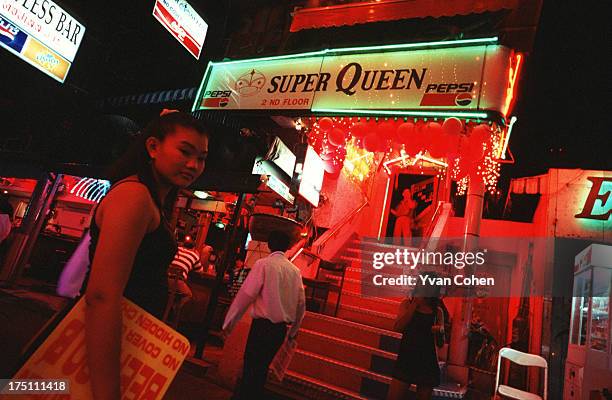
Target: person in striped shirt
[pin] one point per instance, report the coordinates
(185, 261)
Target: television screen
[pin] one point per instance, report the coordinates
(280, 155)
(263, 167)
(312, 177)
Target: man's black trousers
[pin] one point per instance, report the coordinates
(265, 338)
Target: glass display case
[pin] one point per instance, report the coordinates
(580, 308)
(600, 309)
(589, 356)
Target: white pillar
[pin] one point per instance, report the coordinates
(458, 369)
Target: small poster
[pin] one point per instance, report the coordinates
(151, 354)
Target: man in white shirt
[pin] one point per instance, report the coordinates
(274, 288)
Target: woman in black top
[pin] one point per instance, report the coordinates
(132, 244)
(417, 361)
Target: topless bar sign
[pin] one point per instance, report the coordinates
(458, 78)
(42, 34)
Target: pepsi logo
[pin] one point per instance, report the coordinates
(213, 102)
(463, 99)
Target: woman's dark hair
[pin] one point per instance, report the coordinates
(136, 160)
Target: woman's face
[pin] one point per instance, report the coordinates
(180, 157)
(406, 193)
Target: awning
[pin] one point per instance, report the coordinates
(164, 96)
(391, 10)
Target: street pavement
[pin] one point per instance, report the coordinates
(27, 307)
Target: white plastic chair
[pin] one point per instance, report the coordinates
(524, 359)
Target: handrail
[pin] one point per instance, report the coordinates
(297, 248)
(332, 232)
(434, 218)
(437, 226)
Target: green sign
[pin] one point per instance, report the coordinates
(471, 77)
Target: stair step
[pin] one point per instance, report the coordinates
(356, 260)
(382, 294)
(299, 386)
(332, 371)
(365, 335)
(355, 271)
(367, 317)
(367, 244)
(354, 250)
(383, 300)
(448, 390)
(377, 304)
(355, 380)
(355, 263)
(356, 285)
(373, 359)
(303, 387)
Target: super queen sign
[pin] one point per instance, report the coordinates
(181, 20)
(459, 78)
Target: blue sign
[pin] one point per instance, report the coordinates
(11, 36)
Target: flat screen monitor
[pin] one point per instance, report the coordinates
(312, 177)
(280, 155)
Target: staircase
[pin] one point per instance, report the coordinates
(350, 356)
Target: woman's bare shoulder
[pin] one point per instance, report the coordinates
(135, 192)
(129, 196)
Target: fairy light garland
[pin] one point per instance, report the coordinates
(462, 186)
(355, 161)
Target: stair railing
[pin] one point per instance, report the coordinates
(438, 223)
(297, 248)
(307, 260)
(319, 245)
(434, 219)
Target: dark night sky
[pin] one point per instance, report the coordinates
(562, 107)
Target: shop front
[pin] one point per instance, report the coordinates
(427, 121)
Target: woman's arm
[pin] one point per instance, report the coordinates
(404, 315)
(125, 218)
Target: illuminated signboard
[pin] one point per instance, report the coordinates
(42, 34)
(596, 204)
(181, 20)
(263, 167)
(312, 177)
(459, 78)
(280, 155)
(280, 188)
(580, 203)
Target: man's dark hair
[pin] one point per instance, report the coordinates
(189, 245)
(6, 208)
(278, 241)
